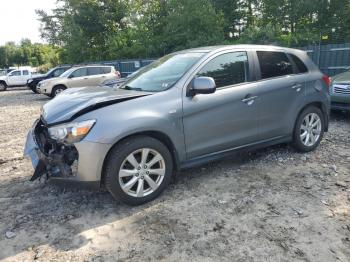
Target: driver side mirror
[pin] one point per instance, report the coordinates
(202, 85)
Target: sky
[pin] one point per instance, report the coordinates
(18, 19)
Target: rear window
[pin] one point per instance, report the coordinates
(299, 64)
(274, 64)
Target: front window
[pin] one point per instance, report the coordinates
(163, 73)
(79, 73)
(227, 69)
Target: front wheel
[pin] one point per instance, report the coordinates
(309, 129)
(57, 90)
(138, 170)
(3, 86)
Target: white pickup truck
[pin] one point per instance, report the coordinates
(15, 78)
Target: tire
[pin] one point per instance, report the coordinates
(56, 90)
(117, 164)
(303, 137)
(3, 86)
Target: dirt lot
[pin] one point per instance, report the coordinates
(269, 205)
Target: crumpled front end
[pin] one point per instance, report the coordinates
(49, 157)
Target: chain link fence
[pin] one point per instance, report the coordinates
(332, 59)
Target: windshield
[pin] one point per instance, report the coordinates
(68, 72)
(163, 73)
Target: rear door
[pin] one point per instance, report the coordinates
(96, 75)
(25, 76)
(227, 118)
(281, 93)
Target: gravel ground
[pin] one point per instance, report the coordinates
(269, 205)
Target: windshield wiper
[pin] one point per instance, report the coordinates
(132, 88)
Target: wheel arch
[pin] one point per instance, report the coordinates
(162, 137)
(3, 81)
(320, 106)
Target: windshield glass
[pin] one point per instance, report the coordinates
(68, 72)
(163, 73)
(50, 71)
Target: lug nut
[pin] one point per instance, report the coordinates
(147, 172)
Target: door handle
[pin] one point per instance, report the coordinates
(249, 100)
(297, 87)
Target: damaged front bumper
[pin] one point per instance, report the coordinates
(81, 162)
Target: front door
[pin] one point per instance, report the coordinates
(79, 78)
(14, 78)
(227, 118)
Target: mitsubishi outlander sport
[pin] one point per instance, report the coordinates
(182, 110)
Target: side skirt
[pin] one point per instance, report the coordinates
(228, 152)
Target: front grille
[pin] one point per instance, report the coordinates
(342, 89)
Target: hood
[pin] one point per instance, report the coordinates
(342, 78)
(51, 80)
(75, 102)
(38, 77)
(3, 77)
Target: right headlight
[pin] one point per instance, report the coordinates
(72, 132)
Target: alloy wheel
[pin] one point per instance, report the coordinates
(310, 129)
(58, 91)
(142, 172)
(2, 87)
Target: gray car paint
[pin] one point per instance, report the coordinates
(198, 126)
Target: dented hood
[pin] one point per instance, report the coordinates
(77, 101)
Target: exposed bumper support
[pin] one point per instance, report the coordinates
(82, 162)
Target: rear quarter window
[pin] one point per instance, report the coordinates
(301, 67)
(106, 70)
(274, 64)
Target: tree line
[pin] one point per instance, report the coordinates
(95, 30)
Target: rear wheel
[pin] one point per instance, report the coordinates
(138, 170)
(57, 90)
(3, 86)
(309, 129)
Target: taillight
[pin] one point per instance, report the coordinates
(117, 73)
(327, 80)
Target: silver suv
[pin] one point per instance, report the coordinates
(184, 109)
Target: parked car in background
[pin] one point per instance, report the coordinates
(117, 82)
(182, 110)
(340, 91)
(14, 78)
(4, 72)
(54, 72)
(82, 76)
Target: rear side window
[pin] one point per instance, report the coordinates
(274, 64)
(25, 72)
(227, 69)
(94, 71)
(106, 70)
(299, 64)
